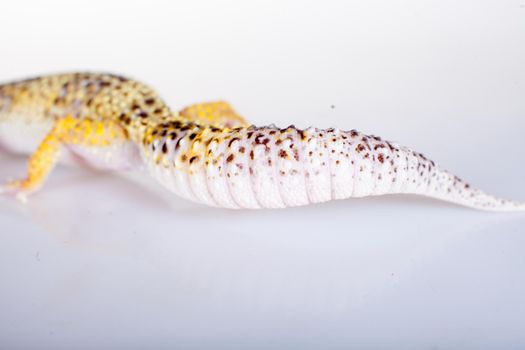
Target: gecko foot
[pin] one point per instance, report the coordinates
(17, 189)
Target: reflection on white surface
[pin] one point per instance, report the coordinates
(102, 261)
(102, 254)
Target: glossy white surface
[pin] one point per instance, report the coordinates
(104, 261)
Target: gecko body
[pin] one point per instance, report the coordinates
(208, 153)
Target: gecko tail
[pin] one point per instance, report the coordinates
(455, 190)
(268, 167)
(490, 203)
(433, 182)
(385, 167)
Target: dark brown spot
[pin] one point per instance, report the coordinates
(301, 133)
(232, 140)
(291, 126)
(230, 158)
(296, 154)
(381, 158)
(194, 158)
(283, 154)
(177, 144)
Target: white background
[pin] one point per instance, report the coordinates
(99, 260)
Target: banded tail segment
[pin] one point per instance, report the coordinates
(267, 167)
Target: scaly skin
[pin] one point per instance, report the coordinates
(208, 153)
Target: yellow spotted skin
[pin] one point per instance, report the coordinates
(207, 152)
(94, 110)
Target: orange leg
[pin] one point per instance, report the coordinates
(219, 114)
(85, 132)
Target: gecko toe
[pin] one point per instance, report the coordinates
(15, 189)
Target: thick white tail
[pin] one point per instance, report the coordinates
(267, 167)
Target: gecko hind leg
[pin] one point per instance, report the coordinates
(39, 165)
(219, 113)
(85, 132)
